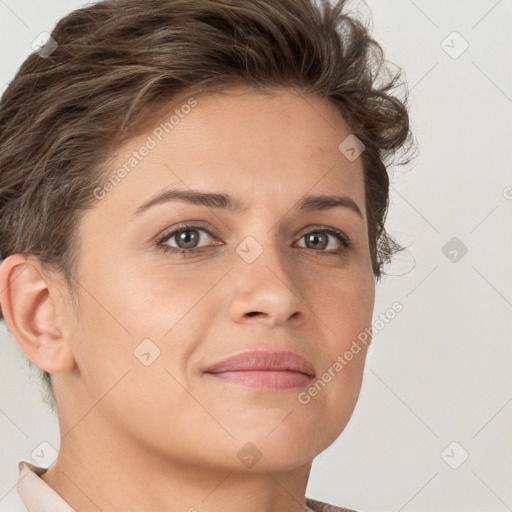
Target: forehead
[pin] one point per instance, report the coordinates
(241, 142)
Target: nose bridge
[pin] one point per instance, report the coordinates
(267, 274)
(262, 249)
(263, 245)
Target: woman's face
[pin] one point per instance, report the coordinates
(272, 276)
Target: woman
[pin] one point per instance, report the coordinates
(193, 196)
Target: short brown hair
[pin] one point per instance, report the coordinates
(119, 61)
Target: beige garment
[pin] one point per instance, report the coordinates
(35, 493)
(38, 496)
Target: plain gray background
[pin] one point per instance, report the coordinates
(439, 373)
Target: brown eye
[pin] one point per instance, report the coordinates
(315, 241)
(318, 240)
(186, 238)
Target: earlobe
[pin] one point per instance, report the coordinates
(29, 305)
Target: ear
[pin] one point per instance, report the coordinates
(34, 311)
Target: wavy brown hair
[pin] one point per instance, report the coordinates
(118, 62)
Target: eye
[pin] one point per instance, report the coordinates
(187, 238)
(318, 240)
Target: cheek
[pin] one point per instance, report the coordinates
(123, 308)
(346, 305)
(343, 393)
(348, 309)
(158, 298)
(143, 300)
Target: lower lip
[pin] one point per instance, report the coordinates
(266, 378)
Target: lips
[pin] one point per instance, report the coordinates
(263, 360)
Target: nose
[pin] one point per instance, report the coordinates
(266, 289)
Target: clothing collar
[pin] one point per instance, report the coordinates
(35, 493)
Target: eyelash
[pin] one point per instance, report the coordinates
(345, 241)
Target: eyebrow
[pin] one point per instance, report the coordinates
(227, 202)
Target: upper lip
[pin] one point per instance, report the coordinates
(263, 360)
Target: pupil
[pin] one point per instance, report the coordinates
(314, 240)
(188, 239)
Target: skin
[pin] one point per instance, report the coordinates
(166, 436)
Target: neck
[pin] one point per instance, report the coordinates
(98, 469)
